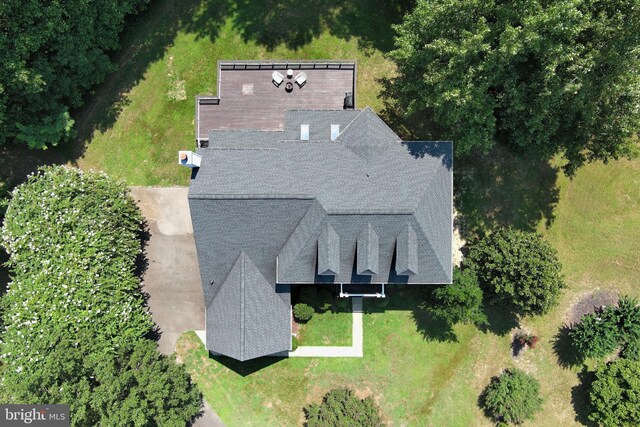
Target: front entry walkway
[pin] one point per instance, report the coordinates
(355, 350)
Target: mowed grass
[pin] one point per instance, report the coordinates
(175, 46)
(332, 327)
(414, 382)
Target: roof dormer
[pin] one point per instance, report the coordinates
(367, 251)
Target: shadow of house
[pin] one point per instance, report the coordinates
(247, 367)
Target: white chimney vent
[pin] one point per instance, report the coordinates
(189, 159)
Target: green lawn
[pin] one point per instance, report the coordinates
(333, 327)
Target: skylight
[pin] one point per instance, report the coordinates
(304, 132)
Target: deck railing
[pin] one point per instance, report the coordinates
(280, 65)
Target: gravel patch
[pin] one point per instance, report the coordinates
(589, 304)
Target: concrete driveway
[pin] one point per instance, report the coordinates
(172, 278)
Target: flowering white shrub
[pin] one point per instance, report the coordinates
(74, 316)
(73, 241)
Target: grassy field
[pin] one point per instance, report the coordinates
(333, 327)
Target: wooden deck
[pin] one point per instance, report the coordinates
(247, 98)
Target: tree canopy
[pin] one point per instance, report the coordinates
(547, 77)
(50, 55)
(518, 270)
(512, 397)
(459, 302)
(615, 394)
(74, 319)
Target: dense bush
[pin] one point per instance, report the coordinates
(51, 54)
(340, 407)
(601, 333)
(325, 300)
(343, 302)
(615, 394)
(74, 317)
(631, 350)
(133, 385)
(460, 301)
(597, 334)
(302, 312)
(512, 397)
(309, 295)
(73, 242)
(518, 270)
(627, 315)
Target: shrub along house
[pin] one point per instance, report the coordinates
(318, 193)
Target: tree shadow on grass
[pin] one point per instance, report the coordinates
(271, 23)
(567, 355)
(248, 367)
(145, 40)
(502, 187)
(580, 397)
(432, 328)
(500, 320)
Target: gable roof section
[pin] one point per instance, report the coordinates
(368, 251)
(367, 135)
(246, 309)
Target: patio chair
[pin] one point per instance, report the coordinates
(301, 79)
(277, 78)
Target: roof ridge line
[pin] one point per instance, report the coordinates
(350, 123)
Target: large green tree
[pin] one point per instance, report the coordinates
(51, 53)
(550, 77)
(512, 397)
(460, 302)
(518, 270)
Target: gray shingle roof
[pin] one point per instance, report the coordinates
(245, 308)
(407, 252)
(314, 211)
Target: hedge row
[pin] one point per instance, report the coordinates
(74, 317)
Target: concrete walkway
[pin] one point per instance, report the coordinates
(355, 350)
